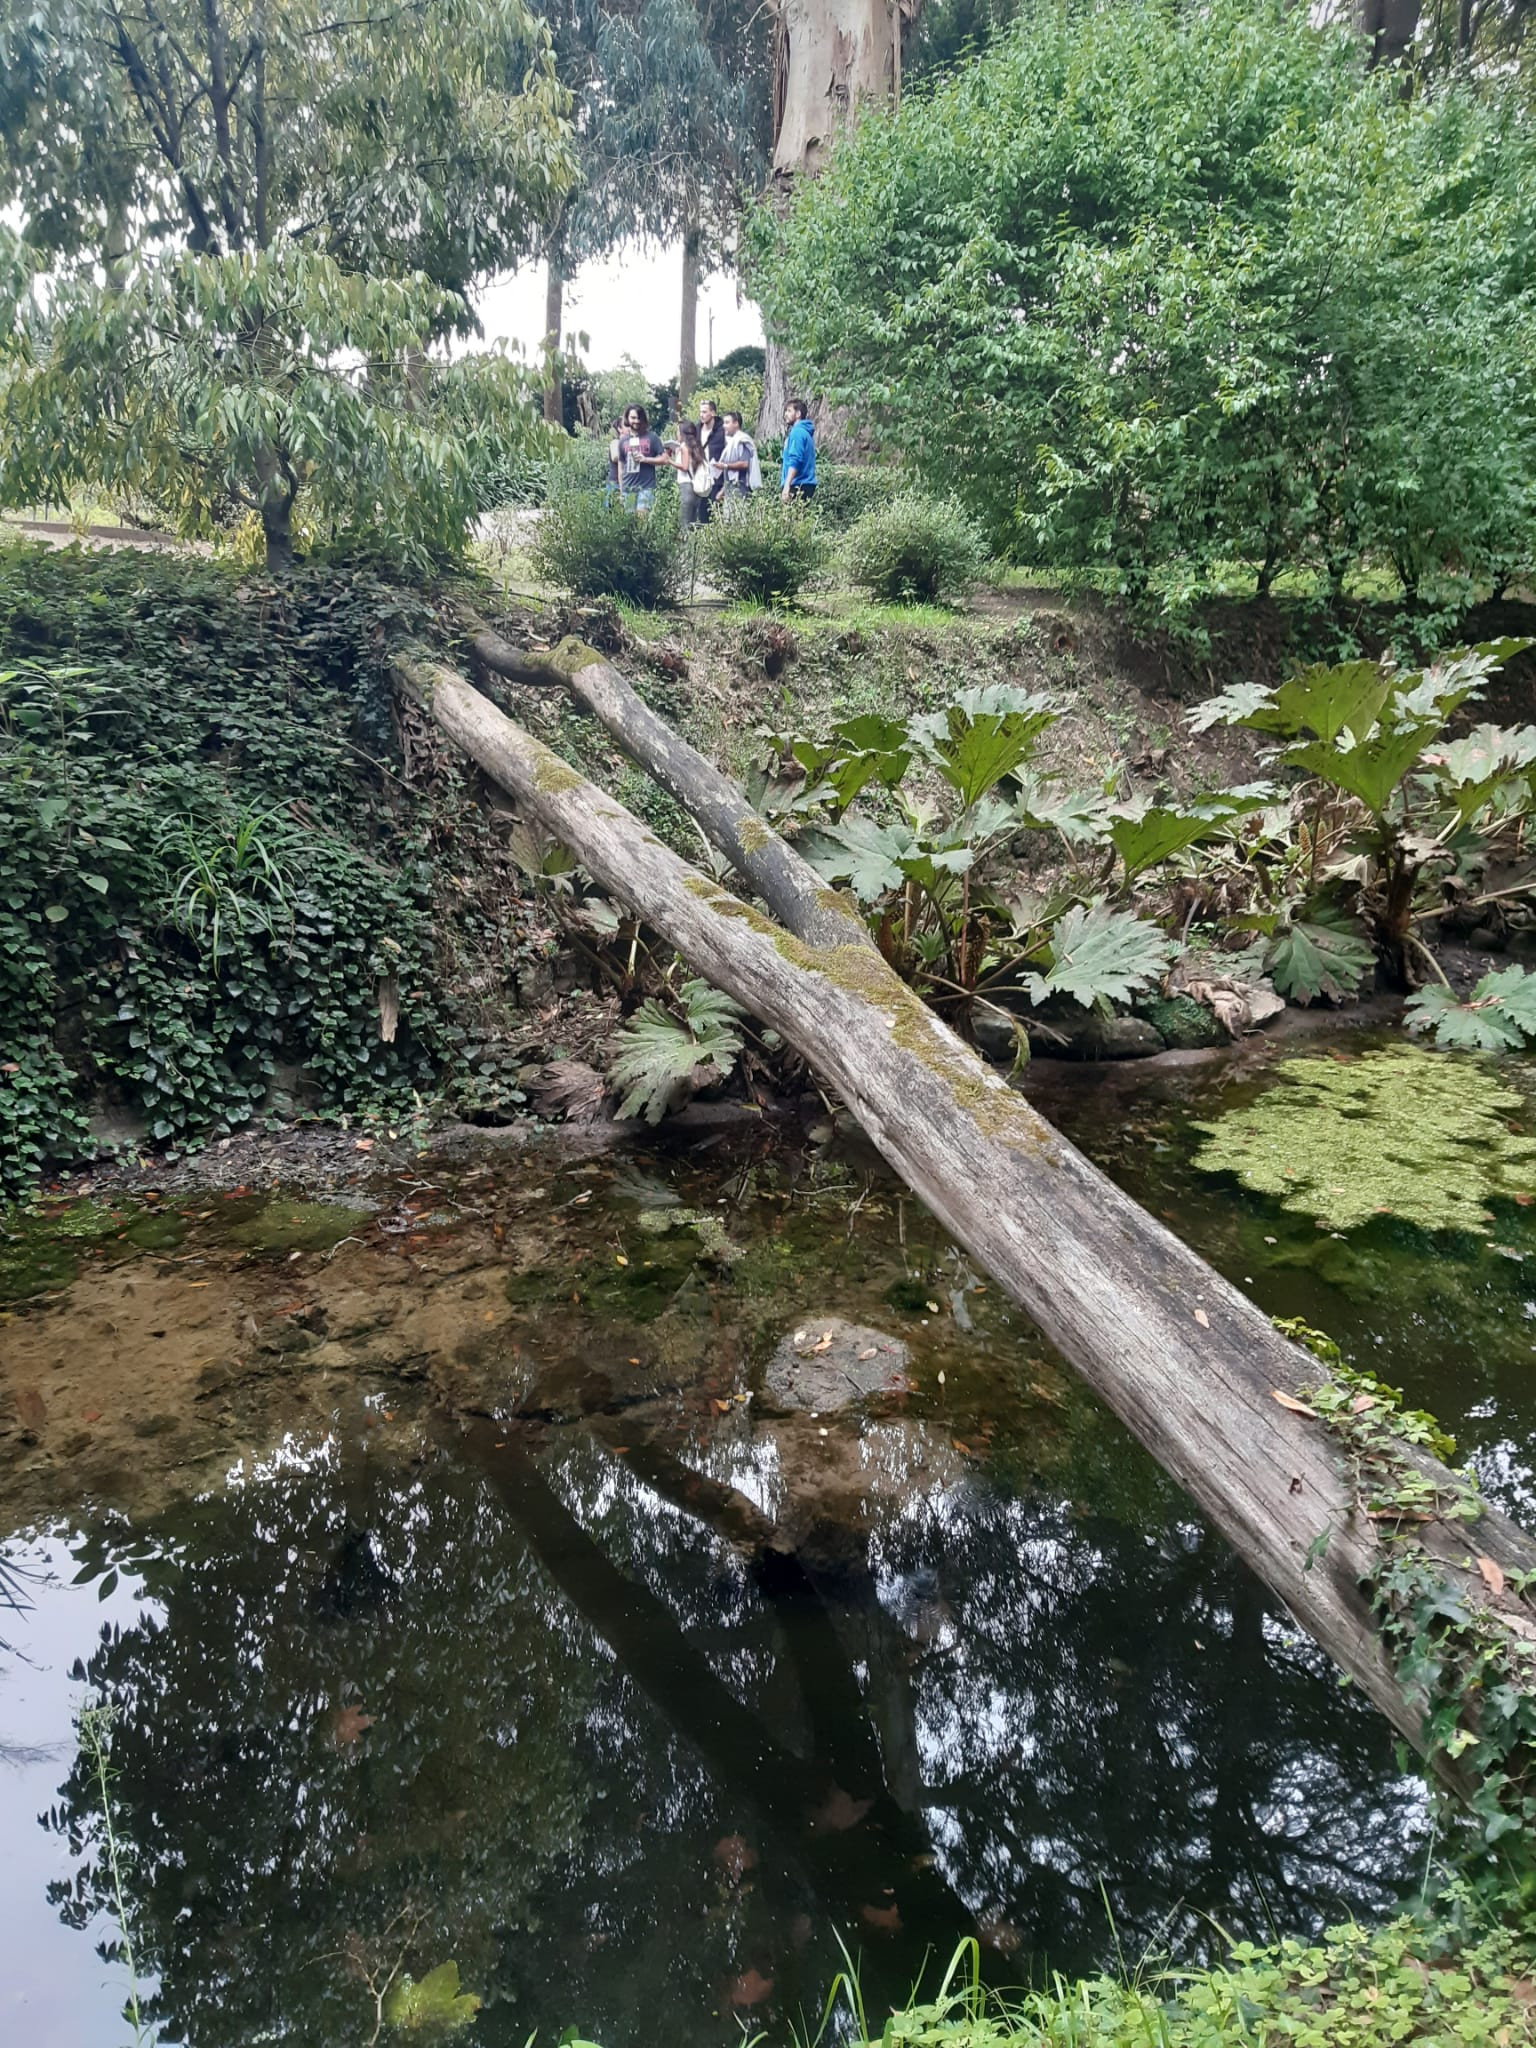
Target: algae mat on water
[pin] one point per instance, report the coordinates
(1424, 1136)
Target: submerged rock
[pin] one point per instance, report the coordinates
(827, 1363)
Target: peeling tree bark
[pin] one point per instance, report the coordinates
(1187, 1362)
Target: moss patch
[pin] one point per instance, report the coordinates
(1400, 1132)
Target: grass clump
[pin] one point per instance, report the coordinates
(914, 549)
(763, 551)
(1356, 1988)
(596, 548)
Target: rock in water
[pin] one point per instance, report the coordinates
(826, 1363)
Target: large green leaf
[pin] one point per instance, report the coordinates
(1498, 1016)
(1100, 954)
(1372, 769)
(1329, 701)
(866, 855)
(656, 1051)
(984, 736)
(433, 2004)
(1160, 831)
(1308, 960)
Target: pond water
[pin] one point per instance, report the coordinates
(469, 1583)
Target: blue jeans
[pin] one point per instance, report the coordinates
(641, 500)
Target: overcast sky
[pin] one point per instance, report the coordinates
(626, 306)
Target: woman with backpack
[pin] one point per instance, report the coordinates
(695, 477)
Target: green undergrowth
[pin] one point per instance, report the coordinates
(1356, 1988)
(224, 853)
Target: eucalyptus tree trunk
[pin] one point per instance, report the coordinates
(688, 340)
(1193, 1368)
(554, 311)
(828, 56)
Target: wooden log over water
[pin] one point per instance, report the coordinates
(1186, 1361)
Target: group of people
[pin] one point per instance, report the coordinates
(715, 460)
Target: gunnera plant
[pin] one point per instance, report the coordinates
(762, 550)
(914, 550)
(597, 549)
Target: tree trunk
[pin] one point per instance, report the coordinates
(770, 414)
(688, 341)
(1389, 26)
(276, 511)
(1188, 1363)
(830, 55)
(827, 56)
(554, 306)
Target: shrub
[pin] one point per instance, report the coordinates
(579, 464)
(594, 548)
(1169, 249)
(764, 550)
(845, 491)
(914, 549)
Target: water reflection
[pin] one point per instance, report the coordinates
(633, 1766)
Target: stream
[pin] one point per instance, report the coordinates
(635, 1579)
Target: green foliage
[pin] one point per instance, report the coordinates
(845, 491)
(1393, 1133)
(1100, 955)
(1320, 958)
(433, 2004)
(761, 549)
(1389, 809)
(1498, 1016)
(596, 548)
(659, 1054)
(240, 266)
(914, 549)
(202, 873)
(1356, 1988)
(1132, 285)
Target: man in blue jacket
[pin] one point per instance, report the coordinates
(797, 475)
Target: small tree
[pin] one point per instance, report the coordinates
(246, 230)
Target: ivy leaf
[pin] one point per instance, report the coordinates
(434, 2005)
(1308, 960)
(56, 912)
(658, 1052)
(1100, 953)
(1498, 1016)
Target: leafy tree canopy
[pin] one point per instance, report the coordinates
(241, 229)
(1155, 286)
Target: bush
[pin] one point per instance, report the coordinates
(764, 550)
(914, 549)
(845, 491)
(594, 548)
(578, 465)
(1176, 244)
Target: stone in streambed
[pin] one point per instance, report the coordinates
(825, 1363)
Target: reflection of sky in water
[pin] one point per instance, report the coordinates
(55, 1991)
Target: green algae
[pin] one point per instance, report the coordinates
(1399, 1132)
(289, 1226)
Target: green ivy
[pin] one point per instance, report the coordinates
(212, 858)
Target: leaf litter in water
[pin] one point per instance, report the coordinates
(1396, 1132)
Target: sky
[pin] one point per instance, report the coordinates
(628, 305)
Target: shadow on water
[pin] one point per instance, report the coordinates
(574, 1656)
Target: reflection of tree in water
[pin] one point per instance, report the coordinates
(617, 1763)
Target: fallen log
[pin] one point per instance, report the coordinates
(1187, 1362)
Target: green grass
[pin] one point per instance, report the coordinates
(1390, 1987)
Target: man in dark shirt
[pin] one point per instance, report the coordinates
(712, 434)
(639, 449)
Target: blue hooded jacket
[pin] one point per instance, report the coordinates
(799, 455)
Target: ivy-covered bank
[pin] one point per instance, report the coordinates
(228, 876)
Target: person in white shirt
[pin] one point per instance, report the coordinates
(738, 462)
